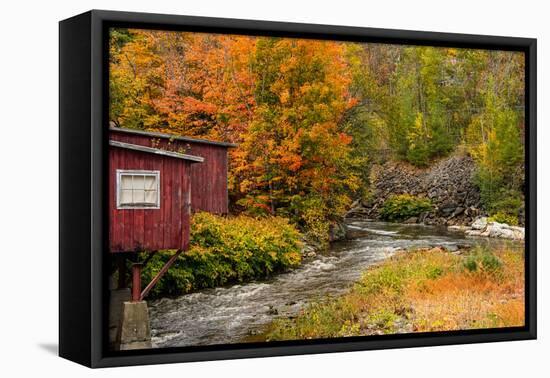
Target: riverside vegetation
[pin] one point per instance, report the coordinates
(420, 291)
(227, 250)
(404, 206)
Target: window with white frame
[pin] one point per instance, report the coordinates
(138, 189)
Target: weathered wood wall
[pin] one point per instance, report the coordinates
(151, 229)
(208, 179)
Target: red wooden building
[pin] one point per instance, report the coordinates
(149, 198)
(155, 181)
(208, 180)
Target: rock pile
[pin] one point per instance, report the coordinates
(448, 184)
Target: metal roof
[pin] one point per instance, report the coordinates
(156, 151)
(172, 136)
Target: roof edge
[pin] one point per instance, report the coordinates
(172, 136)
(156, 151)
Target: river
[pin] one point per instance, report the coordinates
(235, 313)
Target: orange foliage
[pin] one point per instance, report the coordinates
(281, 99)
(462, 300)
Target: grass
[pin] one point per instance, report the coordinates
(419, 291)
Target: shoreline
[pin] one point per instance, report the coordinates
(443, 276)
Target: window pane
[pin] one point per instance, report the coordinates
(125, 196)
(150, 182)
(151, 197)
(126, 181)
(139, 196)
(138, 182)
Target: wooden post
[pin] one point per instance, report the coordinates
(136, 282)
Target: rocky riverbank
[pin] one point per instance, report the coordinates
(337, 232)
(448, 185)
(484, 228)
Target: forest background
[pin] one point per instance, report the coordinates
(311, 117)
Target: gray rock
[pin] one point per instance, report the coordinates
(356, 203)
(502, 230)
(308, 251)
(498, 230)
(337, 231)
(459, 210)
(450, 247)
(479, 224)
(446, 211)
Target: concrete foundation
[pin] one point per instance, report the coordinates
(134, 331)
(117, 298)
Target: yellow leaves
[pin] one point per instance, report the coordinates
(284, 96)
(245, 186)
(352, 182)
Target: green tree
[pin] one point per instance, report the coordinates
(495, 141)
(419, 125)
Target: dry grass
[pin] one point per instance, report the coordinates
(420, 291)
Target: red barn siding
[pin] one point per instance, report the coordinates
(151, 229)
(208, 179)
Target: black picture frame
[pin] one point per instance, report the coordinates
(83, 112)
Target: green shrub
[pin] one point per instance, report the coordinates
(311, 214)
(504, 217)
(226, 250)
(482, 260)
(401, 207)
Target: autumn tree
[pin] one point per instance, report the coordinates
(184, 83)
(136, 79)
(295, 159)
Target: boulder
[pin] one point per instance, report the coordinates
(502, 230)
(308, 251)
(459, 210)
(479, 224)
(356, 204)
(496, 230)
(337, 231)
(446, 211)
